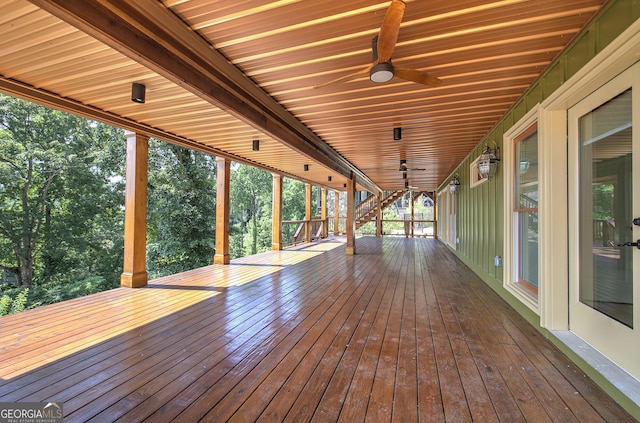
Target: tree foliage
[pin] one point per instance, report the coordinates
(181, 209)
(251, 208)
(58, 186)
(293, 199)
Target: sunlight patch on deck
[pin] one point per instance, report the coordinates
(58, 331)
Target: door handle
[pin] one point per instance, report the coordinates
(631, 244)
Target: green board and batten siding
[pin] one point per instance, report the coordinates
(480, 213)
(480, 209)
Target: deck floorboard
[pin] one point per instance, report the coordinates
(401, 332)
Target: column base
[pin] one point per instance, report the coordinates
(276, 246)
(131, 280)
(221, 259)
(351, 251)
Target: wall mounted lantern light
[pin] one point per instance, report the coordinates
(256, 145)
(454, 184)
(306, 168)
(488, 162)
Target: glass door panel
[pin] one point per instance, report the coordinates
(606, 143)
(526, 207)
(604, 199)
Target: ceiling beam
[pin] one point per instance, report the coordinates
(145, 31)
(54, 101)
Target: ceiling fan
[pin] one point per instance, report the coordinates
(381, 69)
(404, 168)
(409, 186)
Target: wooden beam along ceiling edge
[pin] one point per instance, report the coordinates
(205, 57)
(45, 98)
(182, 60)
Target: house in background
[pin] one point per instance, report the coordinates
(530, 105)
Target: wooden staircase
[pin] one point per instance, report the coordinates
(367, 210)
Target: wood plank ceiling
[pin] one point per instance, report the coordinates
(486, 54)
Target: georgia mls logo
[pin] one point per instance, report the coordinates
(53, 404)
(31, 412)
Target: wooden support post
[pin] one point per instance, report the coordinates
(435, 215)
(134, 274)
(351, 216)
(323, 212)
(413, 212)
(336, 212)
(307, 213)
(276, 237)
(222, 211)
(379, 217)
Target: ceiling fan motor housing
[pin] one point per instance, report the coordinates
(382, 72)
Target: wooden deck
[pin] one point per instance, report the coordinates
(402, 331)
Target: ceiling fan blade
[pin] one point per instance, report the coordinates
(348, 77)
(389, 30)
(417, 76)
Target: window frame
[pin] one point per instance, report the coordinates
(519, 212)
(511, 280)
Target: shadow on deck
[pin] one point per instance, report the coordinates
(402, 331)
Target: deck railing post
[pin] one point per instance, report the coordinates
(276, 236)
(222, 211)
(134, 272)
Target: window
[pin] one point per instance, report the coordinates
(525, 209)
(521, 168)
(447, 217)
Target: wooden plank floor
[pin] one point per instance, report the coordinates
(402, 331)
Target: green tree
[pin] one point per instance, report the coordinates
(293, 206)
(603, 201)
(293, 199)
(84, 219)
(53, 185)
(181, 209)
(250, 198)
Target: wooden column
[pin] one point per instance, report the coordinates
(134, 273)
(413, 212)
(351, 216)
(222, 211)
(379, 217)
(336, 212)
(435, 215)
(276, 237)
(323, 212)
(307, 213)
